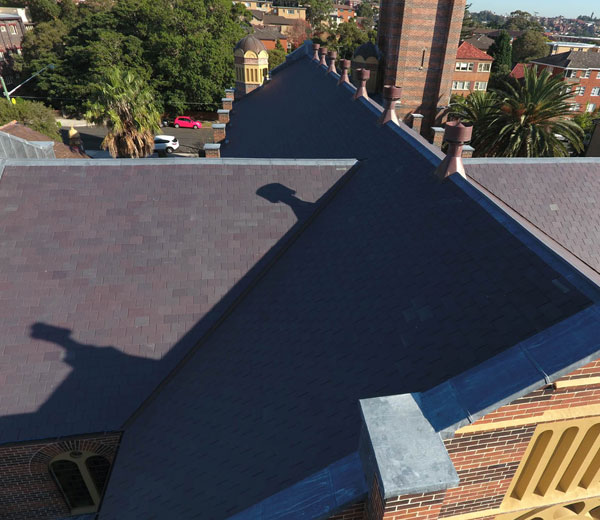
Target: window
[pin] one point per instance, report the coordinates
(484, 67)
(81, 477)
(461, 65)
(461, 85)
(580, 91)
(598, 75)
(586, 73)
(595, 91)
(590, 107)
(2, 28)
(12, 29)
(570, 73)
(291, 11)
(480, 85)
(567, 90)
(575, 107)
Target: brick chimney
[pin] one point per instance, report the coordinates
(316, 47)
(219, 132)
(456, 135)
(332, 58)
(344, 78)
(363, 77)
(223, 115)
(212, 150)
(391, 95)
(417, 119)
(323, 53)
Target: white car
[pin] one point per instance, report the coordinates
(165, 144)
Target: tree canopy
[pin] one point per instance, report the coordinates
(319, 11)
(529, 46)
(125, 104)
(528, 118)
(276, 56)
(183, 49)
(501, 51)
(32, 114)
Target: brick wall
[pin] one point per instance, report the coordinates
(487, 454)
(353, 512)
(27, 490)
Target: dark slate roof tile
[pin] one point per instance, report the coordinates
(106, 271)
(400, 283)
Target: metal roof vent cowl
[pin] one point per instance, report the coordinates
(332, 58)
(323, 53)
(316, 47)
(391, 94)
(456, 135)
(363, 77)
(344, 78)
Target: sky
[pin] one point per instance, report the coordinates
(570, 9)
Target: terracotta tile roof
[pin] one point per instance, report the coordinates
(518, 71)
(61, 151)
(466, 51)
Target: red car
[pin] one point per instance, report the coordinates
(186, 122)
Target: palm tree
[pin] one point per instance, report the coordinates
(530, 119)
(474, 109)
(125, 104)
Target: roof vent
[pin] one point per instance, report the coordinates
(363, 77)
(344, 78)
(316, 47)
(323, 53)
(332, 58)
(456, 135)
(391, 94)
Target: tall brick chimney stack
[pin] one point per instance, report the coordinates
(419, 40)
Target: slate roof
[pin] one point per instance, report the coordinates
(250, 43)
(399, 283)
(572, 60)
(61, 151)
(269, 34)
(109, 274)
(466, 51)
(273, 19)
(481, 41)
(560, 198)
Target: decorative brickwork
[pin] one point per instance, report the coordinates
(419, 39)
(27, 490)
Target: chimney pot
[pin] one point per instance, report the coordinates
(363, 76)
(456, 135)
(316, 47)
(323, 53)
(345, 68)
(391, 94)
(332, 58)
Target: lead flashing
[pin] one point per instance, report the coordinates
(413, 459)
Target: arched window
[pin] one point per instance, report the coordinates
(81, 477)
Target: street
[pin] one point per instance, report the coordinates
(190, 140)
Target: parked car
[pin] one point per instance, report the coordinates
(186, 122)
(165, 144)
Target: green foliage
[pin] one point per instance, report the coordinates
(182, 48)
(347, 37)
(529, 46)
(276, 56)
(32, 114)
(522, 119)
(521, 21)
(501, 51)
(469, 24)
(365, 11)
(125, 104)
(318, 11)
(586, 120)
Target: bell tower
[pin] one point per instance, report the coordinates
(418, 40)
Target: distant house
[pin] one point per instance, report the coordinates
(518, 71)
(342, 13)
(279, 23)
(471, 70)
(581, 72)
(481, 41)
(12, 30)
(269, 38)
(284, 8)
